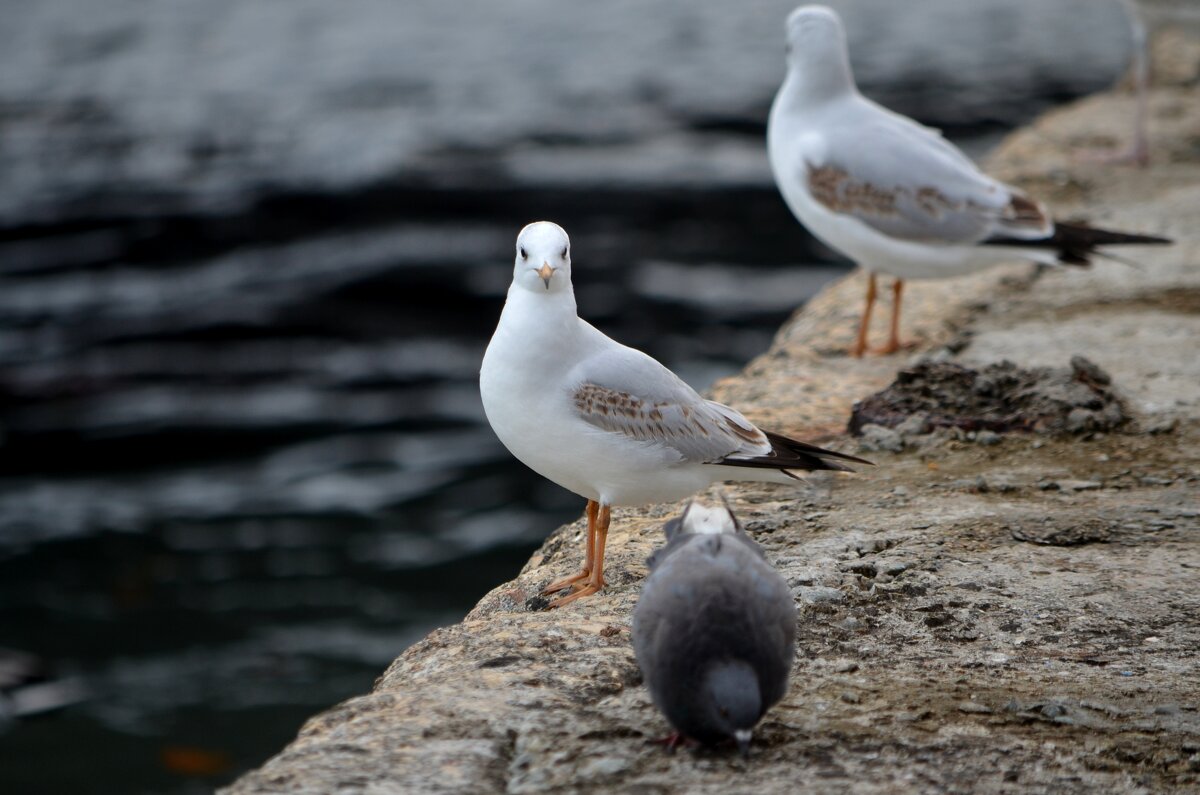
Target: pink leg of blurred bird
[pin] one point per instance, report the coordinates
(1138, 151)
(893, 343)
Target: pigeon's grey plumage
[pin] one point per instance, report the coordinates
(714, 629)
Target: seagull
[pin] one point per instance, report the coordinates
(606, 421)
(894, 195)
(714, 629)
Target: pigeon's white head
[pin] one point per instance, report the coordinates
(817, 55)
(543, 262)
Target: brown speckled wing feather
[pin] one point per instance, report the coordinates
(623, 391)
(699, 430)
(911, 184)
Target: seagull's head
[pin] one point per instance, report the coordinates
(543, 263)
(817, 51)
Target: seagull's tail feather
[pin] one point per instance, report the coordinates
(1075, 243)
(793, 454)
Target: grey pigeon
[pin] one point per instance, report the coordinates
(714, 629)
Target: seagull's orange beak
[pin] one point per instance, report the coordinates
(546, 272)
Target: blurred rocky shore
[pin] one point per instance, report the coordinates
(986, 612)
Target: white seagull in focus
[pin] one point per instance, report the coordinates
(604, 420)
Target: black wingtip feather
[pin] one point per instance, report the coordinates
(789, 453)
(1076, 242)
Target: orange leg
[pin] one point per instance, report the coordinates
(860, 345)
(596, 580)
(893, 343)
(592, 508)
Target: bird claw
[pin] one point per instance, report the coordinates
(857, 351)
(587, 590)
(892, 347)
(573, 581)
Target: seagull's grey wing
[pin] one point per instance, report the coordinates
(624, 391)
(907, 182)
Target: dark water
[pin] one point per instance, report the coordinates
(250, 256)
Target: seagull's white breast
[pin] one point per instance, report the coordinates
(527, 388)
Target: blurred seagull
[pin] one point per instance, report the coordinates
(606, 421)
(892, 194)
(714, 629)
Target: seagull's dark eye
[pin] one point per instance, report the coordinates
(524, 253)
(564, 253)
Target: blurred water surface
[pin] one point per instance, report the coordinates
(250, 256)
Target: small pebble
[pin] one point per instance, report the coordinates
(1079, 420)
(1085, 368)
(915, 425)
(603, 767)
(1150, 481)
(987, 438)
(1165, 425)
(820, 594)
(877, 437)
(1079, 485)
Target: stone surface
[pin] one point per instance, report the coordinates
(991, 633)
(997, 398)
